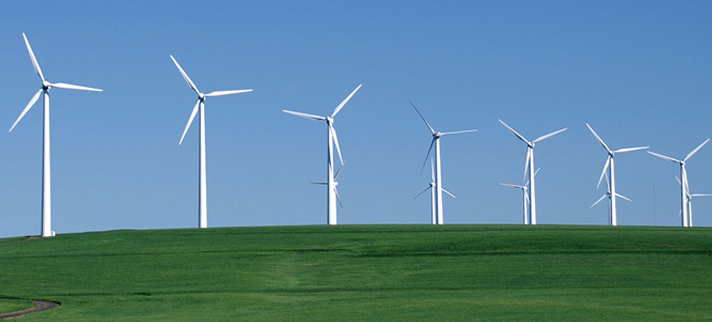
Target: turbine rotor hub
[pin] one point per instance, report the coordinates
(201, 96)
(46, 85)
(330, 120)
(437, 134)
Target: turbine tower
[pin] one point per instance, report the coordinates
(529, 167)
(438, 172)
(684, 187)
(610, 174)
(46, 177)
(200, 105)
(431, 186)
(332, 139)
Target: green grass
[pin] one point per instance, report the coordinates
(12, 305)
(357, 273)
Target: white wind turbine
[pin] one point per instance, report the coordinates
(529, 167)
(525, 191)
(609, 173)
(46, 177)
(431, 186)
(689, 199)
(438, 172)
(200, 104)
(684, 186)
(332, 138)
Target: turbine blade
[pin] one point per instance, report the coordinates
(336, 192)
(623, 197)
(686, 182)
(535, 172)
(336, 142)
(526, 167)
(511, 185)
(338, 172)
(185, 76)
(599, 200)
(623, 150)
(432, 142)
(599, 139)
(450, 194)
(77, 87)
(604, 172)
(338, 108)
(432, 170)
(422, 192)
(305, 115)
(457, 132)
(701, 195)
(678, 180)
(422, 117)
(322, 183)
(665, 157)
(223, 93)
(514, 132)
(695, 150)
(35, 64)
(27, 108)
(190, 121)
(544, 137)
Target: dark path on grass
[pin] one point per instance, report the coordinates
(39, 306)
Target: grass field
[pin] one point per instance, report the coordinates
(12, 305)
(356, 273)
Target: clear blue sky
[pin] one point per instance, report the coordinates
(638, 71)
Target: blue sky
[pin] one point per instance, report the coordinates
(638, 71)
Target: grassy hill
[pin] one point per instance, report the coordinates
(357, 273)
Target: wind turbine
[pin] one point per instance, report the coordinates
(438, 172)
(46, 176)
(332, 139)
(689, 199)
(431, 186)
(525, 191)
(689, 203)
(684, 187)
(609, 173)
(529, 166)
(200, 104)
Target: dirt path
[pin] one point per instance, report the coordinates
(39, 306)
